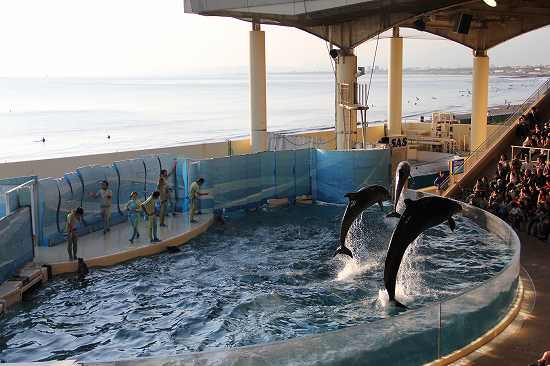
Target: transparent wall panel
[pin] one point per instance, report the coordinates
(267, 167)
(466, 317)
(152, 170)
(302, 171)
(16, 245)
(285, 186)
(132, 179)
(67, 204)
(49, 202)
(255, 180)
(371, 167)
(334, 175)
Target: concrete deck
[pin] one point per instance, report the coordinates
(98, 249)
(527, 337)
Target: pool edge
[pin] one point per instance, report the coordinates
(489, 335)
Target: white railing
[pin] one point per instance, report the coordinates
(494, 137)
(530, 151)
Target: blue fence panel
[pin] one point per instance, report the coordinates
(334, 175)
(238, 187)
(255, 180)
(302, 172)
(284, 174)
(77, 189)
(8, 184)
(16, 246)
(267, 168)
(48, 208)
(371, 167)
(182, 185)
(152, 174)
(214, 172)
(132, 179)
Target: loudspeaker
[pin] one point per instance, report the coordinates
(463, 24)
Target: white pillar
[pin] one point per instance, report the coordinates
(395, 84)
(346, 119)
(480, 99)
(258, 102)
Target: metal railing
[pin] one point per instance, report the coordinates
(494, 137)
(530, 151)
(353, 94)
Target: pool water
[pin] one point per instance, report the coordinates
(263, 276)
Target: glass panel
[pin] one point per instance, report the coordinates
(284, 174)
(48, 209)
(132, 179)
(16, 247)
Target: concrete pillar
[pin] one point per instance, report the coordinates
(346, 119)
(395, 84)
(480, 99)
(258, 101)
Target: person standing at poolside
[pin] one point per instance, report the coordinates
(106, 200)
(73, 218)
(164, 189)
(149, 206)
(134, 210)
(194, 195)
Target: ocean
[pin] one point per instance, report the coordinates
(75, 116)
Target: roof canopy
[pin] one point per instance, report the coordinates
(348, 23)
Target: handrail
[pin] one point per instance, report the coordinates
(492, 139)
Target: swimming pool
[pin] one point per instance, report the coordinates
(264, 276)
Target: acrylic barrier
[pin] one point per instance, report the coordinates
(16, 245)
(414, 337)
(7, 185)
(234, 182)
(339, 172)
(249, 180)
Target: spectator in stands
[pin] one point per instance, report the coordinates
(105, 196)
(73, 218)
(523, 128)
(134, 212)
(528, 142)
(194, 195)
(151, 207)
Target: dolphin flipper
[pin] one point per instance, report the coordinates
(394, 214)
(452, 223)
(343, 250)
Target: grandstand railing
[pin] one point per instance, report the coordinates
(531, 151)
(494, 137)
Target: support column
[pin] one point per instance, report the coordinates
(480, 99)
(395, 84)
(258, 102)
(346, 119)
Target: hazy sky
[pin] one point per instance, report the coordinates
(155, 37)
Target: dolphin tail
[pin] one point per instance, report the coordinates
(394, 214)
(398, 304)
(343, 250)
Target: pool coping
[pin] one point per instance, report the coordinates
(133, 253)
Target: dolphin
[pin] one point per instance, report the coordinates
(402, 174)
(358, 202)
(418, 216)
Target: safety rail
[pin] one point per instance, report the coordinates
(353, 94)
(494, 137)
(530, 150)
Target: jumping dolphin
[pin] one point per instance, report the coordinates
(402, 174)
(358, 202)
(418, 216)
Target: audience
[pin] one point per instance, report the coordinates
(519, 192)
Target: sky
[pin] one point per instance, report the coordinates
(111, 38)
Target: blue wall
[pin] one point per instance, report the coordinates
(16, 246)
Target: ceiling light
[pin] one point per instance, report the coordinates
(491, 3)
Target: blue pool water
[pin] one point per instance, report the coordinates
(263, 276)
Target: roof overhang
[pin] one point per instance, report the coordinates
(348, 23)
